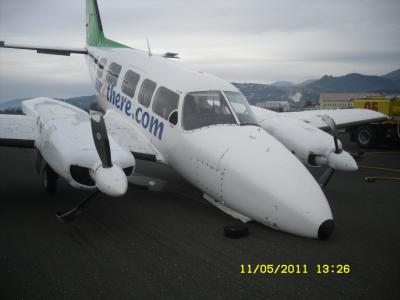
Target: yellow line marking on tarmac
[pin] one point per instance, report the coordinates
(379, 168)
(373, 178)
(384, 152)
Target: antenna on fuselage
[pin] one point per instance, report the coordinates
(148, 47)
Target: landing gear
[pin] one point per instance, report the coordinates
(50, 178)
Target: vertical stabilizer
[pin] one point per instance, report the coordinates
(94, 28)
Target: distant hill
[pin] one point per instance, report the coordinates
(357, 83)
(83, 102)
(395, 75)
(11, 104)
(306, 82)
(257, 92)
(304, 92)
(311, 89)
(282, 83)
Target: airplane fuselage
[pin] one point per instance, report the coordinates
(241, 169)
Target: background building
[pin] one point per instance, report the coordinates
(339, 100)
(279, 106)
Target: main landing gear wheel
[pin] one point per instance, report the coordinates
(50, 178)
(236, 231)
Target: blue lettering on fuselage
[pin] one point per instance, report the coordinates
(124, 104)
(156, 127)
(98, 85)
(119, 101)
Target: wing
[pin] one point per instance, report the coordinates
(131, 139)
(17, 131)
(262, 113)
(46, 50)
(342, 117)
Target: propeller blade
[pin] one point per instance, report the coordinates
(72, 214)
(335, 140)
(329, 121)
(332, 125)
(100, 138)
(326, 176)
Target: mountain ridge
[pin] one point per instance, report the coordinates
(355, 82)
(14, 106)
(279, 91)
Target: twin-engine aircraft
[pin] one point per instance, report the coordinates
(249, 162)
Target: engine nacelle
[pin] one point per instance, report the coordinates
(310, 144)
(65, 141)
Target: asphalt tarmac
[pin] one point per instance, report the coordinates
(170, 245)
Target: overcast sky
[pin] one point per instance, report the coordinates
(237, 40)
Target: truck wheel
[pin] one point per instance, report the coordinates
(50, 178)
(366, 136)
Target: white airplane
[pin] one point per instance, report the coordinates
(247, 161)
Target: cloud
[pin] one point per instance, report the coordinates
(238, 40)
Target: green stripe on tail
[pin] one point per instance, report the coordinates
(94, 28)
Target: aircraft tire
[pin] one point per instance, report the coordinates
(236, 231)
(50, 178)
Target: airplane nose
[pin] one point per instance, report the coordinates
(326, 229)
(265, 182)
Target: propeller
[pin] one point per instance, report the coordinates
(109, 178)
(336, 159)
(326, 176)
(100, 138)
(70, 215)
(332, 126)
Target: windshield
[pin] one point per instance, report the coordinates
(204, 109)
(241, 107)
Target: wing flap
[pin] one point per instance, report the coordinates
(17, 131)
(131, 139)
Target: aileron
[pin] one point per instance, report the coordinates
(342, 117)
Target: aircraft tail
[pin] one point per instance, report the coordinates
(94, 29)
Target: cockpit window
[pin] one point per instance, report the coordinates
(202, 109)
(241, 107)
